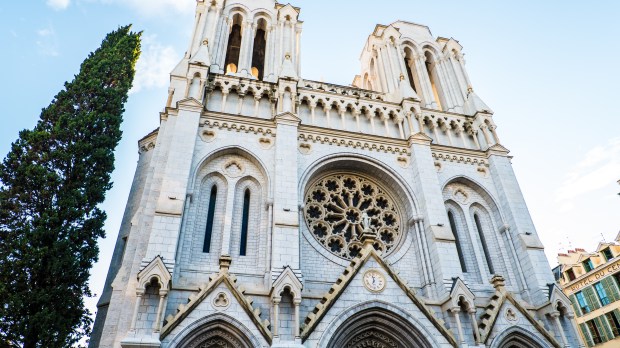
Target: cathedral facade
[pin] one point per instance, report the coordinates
(268, 210)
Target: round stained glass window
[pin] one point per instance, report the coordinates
(335, 206)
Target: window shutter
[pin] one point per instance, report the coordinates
(611, 289)
(604, 328)
(591, 298)
(586, 335)
(575, 303)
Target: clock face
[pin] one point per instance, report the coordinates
(374, 281)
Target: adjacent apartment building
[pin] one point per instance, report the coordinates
(592, 282)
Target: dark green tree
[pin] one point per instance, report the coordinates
(51, 184)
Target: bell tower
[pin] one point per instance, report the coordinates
(247, 39)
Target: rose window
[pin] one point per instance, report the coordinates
(335, 206)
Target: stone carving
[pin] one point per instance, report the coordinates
(338, 207)
(216, 338)
(372, 339)
(234, 169)
(511, 316)
(221, 301)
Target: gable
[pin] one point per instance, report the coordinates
(350, 291)
(220, 294)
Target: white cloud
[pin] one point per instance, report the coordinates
(157, 7)
(599, 168)
(155, 64)
(58, 4)
(47, 42)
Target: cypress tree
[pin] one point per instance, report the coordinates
(51, 184)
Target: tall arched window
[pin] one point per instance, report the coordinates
(408, 63)
(485, 248)
(210, 217)
(244, 223)
(234, 45)
(430, 69)
(459, 248)
(260, 45)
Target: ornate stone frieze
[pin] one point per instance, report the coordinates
(370, 145)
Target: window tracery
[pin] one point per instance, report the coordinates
(333, 211)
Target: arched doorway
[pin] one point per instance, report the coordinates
(378, 328)
(518, 340)
(217, 334)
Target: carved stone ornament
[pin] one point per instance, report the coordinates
(334, 210)
(221, 301)
(511, 316)
(216, 338)
(373, 339)
(234, 168)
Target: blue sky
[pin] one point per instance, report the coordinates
(549, 69)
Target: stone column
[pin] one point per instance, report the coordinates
(296, 303)
(577, 335)
(134, 317)
(556, 319)
(455, 312)
(160, 309)
(276, 314)
(425, 81)
(472, 313)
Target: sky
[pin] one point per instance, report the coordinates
(549, 70)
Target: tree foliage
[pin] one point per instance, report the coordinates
(51, 184)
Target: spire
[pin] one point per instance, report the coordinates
(202, 56)
(474, 104)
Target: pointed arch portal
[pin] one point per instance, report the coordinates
(377, 328)
(217, 334)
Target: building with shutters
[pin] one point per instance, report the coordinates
(592, 282)
(270, 210)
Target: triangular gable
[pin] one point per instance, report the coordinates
(287, 279)
(368, 252)
(215, 280)
(499, 301)
(155, 269)
(460, 289)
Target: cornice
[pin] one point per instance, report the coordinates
(238, 123)
(354, 140)
(148, 142)
(459, 155)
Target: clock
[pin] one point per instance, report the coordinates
(374, 281)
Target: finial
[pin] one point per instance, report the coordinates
(225, 262)
(498, 282)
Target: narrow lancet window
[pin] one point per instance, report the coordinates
(431, 76)
(485, 248)
(244, 224)
(234, 45)
(210, 217)
(410, 74)
(260, 45)
(459, 248)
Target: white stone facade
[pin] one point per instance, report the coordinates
(245, 197)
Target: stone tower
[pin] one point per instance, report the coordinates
(273, 211)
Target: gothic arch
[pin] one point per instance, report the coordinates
(376, 322)
(217, 331)
(517, 338)
(232, 150)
